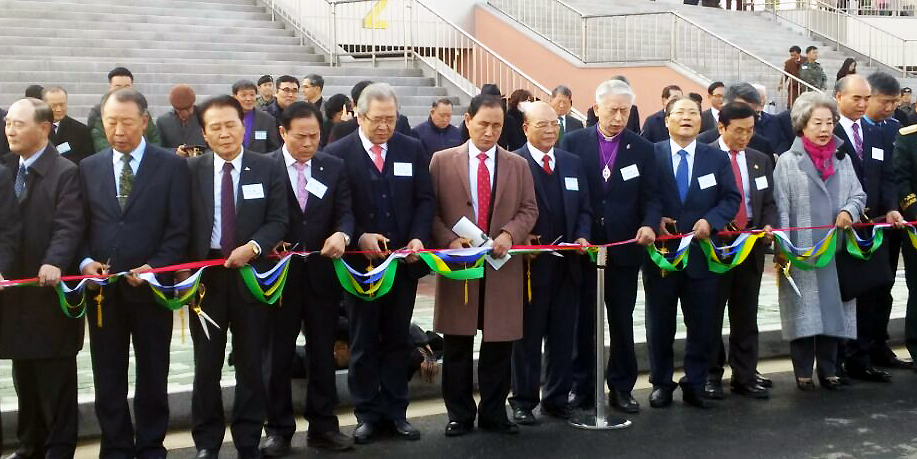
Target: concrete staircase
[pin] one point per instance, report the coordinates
(206, 44)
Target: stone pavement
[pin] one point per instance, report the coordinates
(181, 372)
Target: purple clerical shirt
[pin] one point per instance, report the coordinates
(249, 122)
(608, 151)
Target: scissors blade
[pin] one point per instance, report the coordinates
(792, 284)
(554, 252)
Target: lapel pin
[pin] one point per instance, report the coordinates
(627, 147)
(322, 168)
(756, 167)
(247, 168)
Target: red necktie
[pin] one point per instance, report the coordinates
(377, 157)
(741, 219)
(483, 192)
(547, 164)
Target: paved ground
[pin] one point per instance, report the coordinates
(182, 368)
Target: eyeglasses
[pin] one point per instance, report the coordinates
(387, 120)
(289, 90)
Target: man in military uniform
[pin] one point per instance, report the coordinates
(905, 161)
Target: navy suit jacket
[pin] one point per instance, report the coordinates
(654, 128)
(768, 127)
(626, 205)
(718, 204)
(877, 176)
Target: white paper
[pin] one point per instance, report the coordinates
(316, 188)
(468, 230)
(571, 183)
(253, 191)
(878, 154)
(761, 183)
(260, 135)
(706, 181)
(63, 148)
(630, 172)
(404, 169)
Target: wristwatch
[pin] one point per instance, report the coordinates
(255, 248)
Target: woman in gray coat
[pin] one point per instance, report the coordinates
(814, 186)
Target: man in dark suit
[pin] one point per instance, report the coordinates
(564, 215)
(179, 127)
(9, 234)
(437, 133)
(621, 177)
(746, 94)
(4, 144)
(321, 219)
(239, 213)
(287, 93)
(739, 287)
(393, 208)
(711, 116)
(873, 165)
(137, 215)
(261, 131)
(698, 194)
(41, 341)
(562, 102)
(312, 87)
(654, 128)
(70, 137)
(346, 128)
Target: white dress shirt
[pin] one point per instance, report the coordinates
(293, 172)
(473, 162)
(368, 146)
(716, 115)
(743, 169)
(538, 156)
(117, 159)
(676, 158)
(847, 124)
(217, 231)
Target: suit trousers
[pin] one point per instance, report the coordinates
(873, 313)
(910, 318)
(235, 311)
(494, 377)
(739, 289)
(48, 412)
(698, 301)
(302, 308)
(148, 326)
(549, 317)
(805, 351)
(380, 349)
(620, 300)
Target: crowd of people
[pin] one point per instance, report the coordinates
(275, 166)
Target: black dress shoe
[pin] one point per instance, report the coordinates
(500, 427)
(524, 417)
(364, 432)
(206, 454)
(625, 402)
(713, 390)
(560, 412)
(332, 440)
(661, 397)
(830, 383)
(763, 382)
(405, 430)
(805, 385)
(457, 429)
(694, 398)
(895, 363)
(750, 391)
(275, 446)
(870, 374)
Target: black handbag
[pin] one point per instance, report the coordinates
(859, 277)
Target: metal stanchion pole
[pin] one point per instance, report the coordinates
(600, 420)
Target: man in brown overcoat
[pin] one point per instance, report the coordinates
(493, 188)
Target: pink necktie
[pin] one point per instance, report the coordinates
(377, 157)
(301, 194)
(741, 219)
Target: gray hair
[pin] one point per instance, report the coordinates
(562, 91)
(614, 88)
(742, 91)
(762, 91)
(43, 112)
(376, 91)
(806, 104)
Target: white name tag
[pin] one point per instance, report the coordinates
(253, 191)
(260, 135)
(761, 183)
(316, 188)
(630, 172)
(571, 183)
(878, 154)
(706, 181)
(404, 170)
(63, 148)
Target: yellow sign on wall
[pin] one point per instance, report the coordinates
(374, 20)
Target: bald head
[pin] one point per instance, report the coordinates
(28, 124)
(852, 93)
(541, 125)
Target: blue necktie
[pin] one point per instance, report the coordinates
(19, 185)
(682, 176)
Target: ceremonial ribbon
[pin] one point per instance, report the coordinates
(679, 259)
(802, 258)
(855, 244)
(738, 250)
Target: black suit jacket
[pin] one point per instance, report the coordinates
(707, 121)
(12, 225)
(411, 197)
(73, 140)
(32, 325)
(174, 133)
(654, 128)
(265, 122)
(4, 143)
(152, 229)
(626, 205)
(718, 204)
(345, 128)
(323, 217)
(876, 175)
(263, 220)
(572, 124)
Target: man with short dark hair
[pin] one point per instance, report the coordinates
(287, 92)
(41, 341)
(70, 137)
(312, 86)
(179, 127)
(562, 103)
(265, 91)
(321, 220)
(137, 219)
(654, 128)
(791, 66)
(261, 134)
(906, 110)
(711, 116)
(811, 71)
(118, 78)
(239, 213)
(437, 133)
(746, 94)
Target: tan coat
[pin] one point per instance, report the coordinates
(515, 211)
